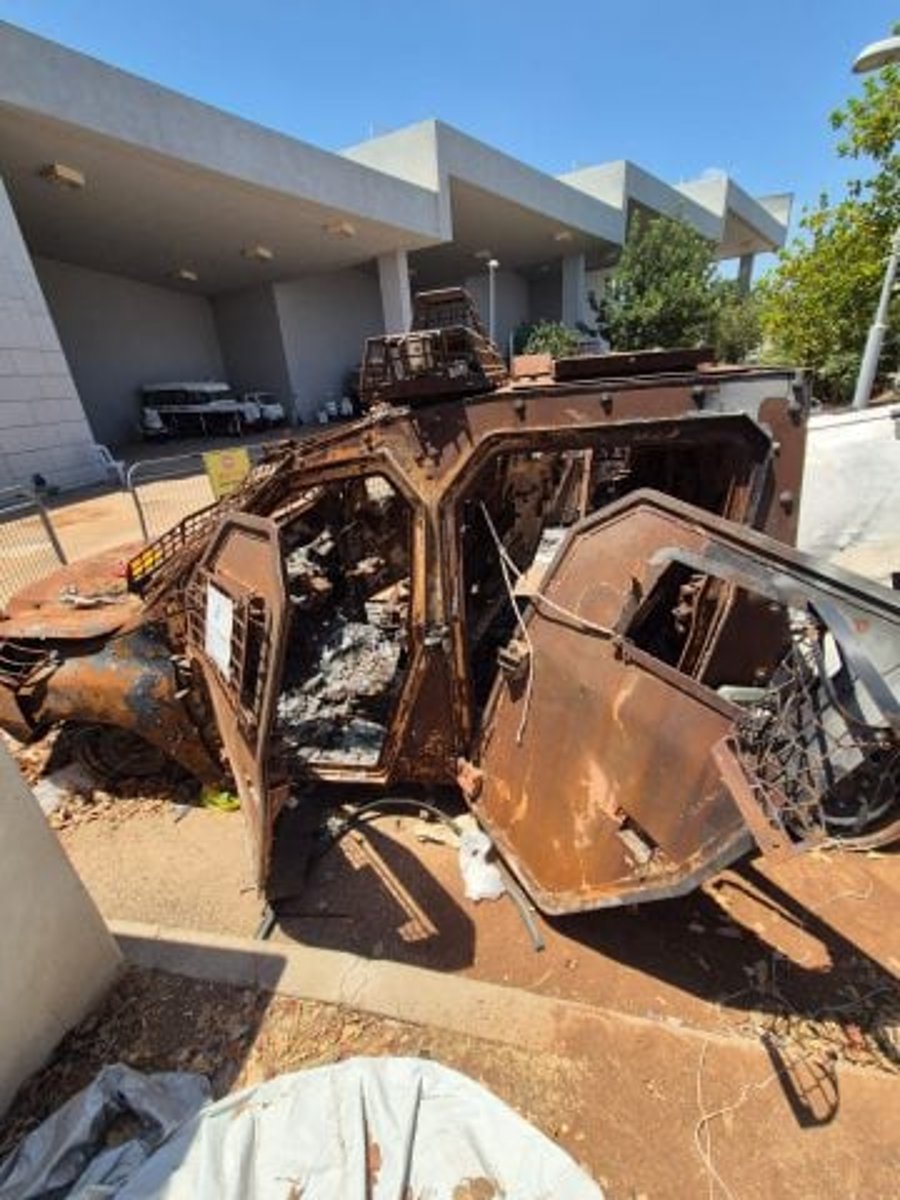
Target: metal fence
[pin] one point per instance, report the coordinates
(166, 490)
(29, 547)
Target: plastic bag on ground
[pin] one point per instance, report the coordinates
(67, 1155)
(481, 879)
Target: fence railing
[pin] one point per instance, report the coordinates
(166, 490)
(29, 547)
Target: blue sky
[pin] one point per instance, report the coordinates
(681, 87)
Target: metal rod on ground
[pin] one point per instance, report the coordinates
(520, 900)
(266, 924)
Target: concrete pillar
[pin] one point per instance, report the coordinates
(56, 953)
(43, 427)
(396, 303)
(745, 273)
(574, 290)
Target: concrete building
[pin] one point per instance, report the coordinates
(145, 236)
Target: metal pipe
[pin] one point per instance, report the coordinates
(868, 368)
(48, 528)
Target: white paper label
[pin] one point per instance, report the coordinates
(219, 626)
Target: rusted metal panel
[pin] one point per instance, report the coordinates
(237, 610)
(626, 363)
(131, 682)
(598, 783)
(607, 773)
(447, 354)
(85, 599)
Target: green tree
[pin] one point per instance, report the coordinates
(737, 333)
(548, 337)
(663, 292)
(818, 302)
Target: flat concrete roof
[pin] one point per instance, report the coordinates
(171, 183)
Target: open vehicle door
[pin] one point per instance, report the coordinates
(680, 686)
(237, 612)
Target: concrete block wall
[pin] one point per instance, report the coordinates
(43, 428)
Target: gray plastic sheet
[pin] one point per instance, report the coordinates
(68, 1156)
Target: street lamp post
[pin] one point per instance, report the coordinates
(873, 58)
(869, 365)
(492, 266)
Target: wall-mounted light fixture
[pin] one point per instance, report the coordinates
(483, 255)
(340, 229)
(563, 235)
(185, 275)
(258, 253)
(63, 175)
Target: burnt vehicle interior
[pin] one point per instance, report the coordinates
(347, 557)
(525, 500)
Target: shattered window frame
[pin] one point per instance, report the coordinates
(743, 505)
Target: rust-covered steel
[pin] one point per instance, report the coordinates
(448, 353)
(481, 592)
(630, 713)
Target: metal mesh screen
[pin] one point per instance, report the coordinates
(167, 491)
(817, 766)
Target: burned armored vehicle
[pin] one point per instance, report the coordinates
(570, 592)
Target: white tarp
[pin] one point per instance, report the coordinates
(365, 1129)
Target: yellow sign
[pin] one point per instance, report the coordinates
(226, 469)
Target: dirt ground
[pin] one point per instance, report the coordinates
(802, 948)
(801, 960)
(642, 1128)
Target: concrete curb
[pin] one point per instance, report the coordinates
(460, 1005)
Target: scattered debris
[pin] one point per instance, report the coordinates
(72, 782)
(481, 877)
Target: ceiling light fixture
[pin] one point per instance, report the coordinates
(59, 173)
(340, 228)
(258, 253)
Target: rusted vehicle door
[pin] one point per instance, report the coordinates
(611, 767)
(237, 614)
